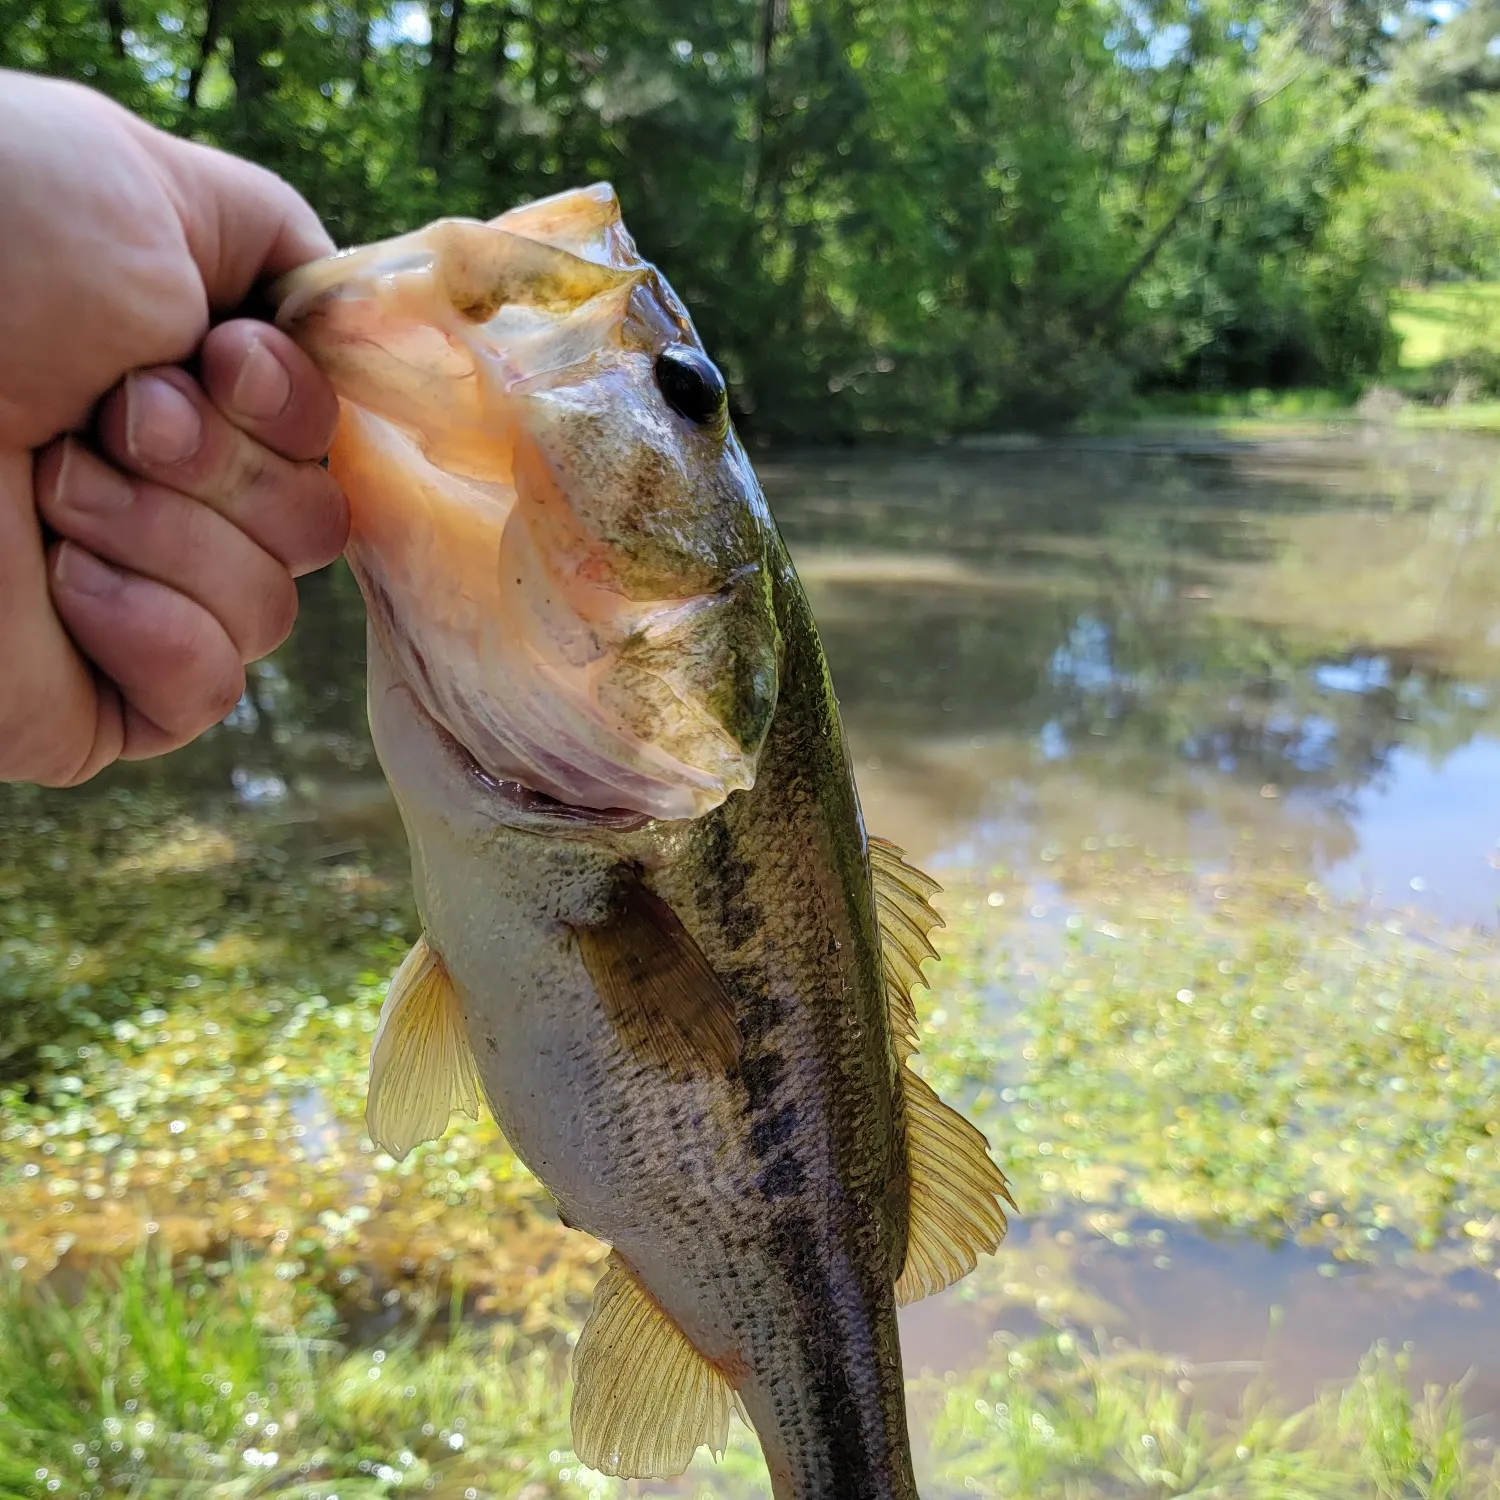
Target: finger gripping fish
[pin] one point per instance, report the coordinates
(657, 941)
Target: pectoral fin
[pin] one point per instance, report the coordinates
(656, 986)
(421, 1065)
(644, 1399)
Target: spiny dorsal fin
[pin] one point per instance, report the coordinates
(644, 1399)
(421, 1064)
(954, 1214)
(906, 916)
(656, 986)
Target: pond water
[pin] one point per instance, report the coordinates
(1293, 641)
(1201, 646)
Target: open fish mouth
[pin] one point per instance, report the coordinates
(516, 802)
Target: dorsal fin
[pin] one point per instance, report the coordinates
(906, 916)
(421, 1065)
(954, 1214)
(656, 985)
(954, 1189)
(644, 1399)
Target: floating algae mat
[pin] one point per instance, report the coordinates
(1235, 1048)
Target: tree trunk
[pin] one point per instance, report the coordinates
(362, 49)
(772, 22)
(442, 67)
(114, 19)
(1165, 132)
(1105, 310)
(213, 25)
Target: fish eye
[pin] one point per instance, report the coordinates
(692, 384)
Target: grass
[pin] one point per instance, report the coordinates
(148, 1387)
(1439, 322)
(1057, 1417)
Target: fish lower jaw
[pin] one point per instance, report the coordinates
(584, 766)
(526, 804)
(686, 796)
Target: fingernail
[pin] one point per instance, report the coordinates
(263, 387)
(161, 425)
(81, 572)
(87, 483)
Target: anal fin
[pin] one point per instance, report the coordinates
(954, 1214)
(644, 1399)
(656, 986)
(421, 1065)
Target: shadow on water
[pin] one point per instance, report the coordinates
(1294, 644)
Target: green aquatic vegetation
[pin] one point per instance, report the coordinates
(115, 903)
(211, 1123)
(208, 1086)
(151, 1388)
(1222, 1048)
(1231, 1048)
(1055, 1418)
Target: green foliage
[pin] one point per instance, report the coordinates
(1445, 323)
(889, 216)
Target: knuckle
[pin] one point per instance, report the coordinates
(305, 525)
(217, 687)
(199, 677)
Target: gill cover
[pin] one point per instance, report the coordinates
(560, 541)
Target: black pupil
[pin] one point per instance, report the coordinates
(691, 383)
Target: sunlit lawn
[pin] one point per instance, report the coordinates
(1442, 321)
(1229, 1050)
(1433, 324)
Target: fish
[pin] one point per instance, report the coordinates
(657, 942)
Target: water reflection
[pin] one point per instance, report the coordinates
(1183, 643)
(1296, 637)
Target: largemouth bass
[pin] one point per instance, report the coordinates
(657, 941)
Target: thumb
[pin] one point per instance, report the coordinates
(242, 222)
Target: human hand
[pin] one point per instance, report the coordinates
(176, 532)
